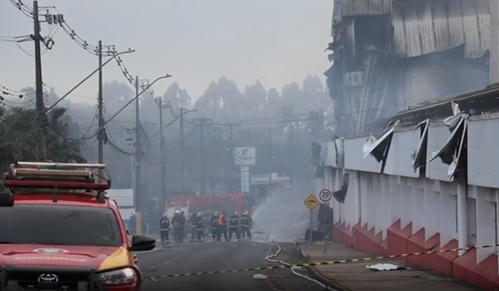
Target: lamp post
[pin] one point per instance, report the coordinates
(88, 77)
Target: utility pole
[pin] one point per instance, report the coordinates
(182, 151)
(202, 122)
(231, 160)
(162, 151)
(138, 198)
(40, 106)
(270, 154)
(100, 109)
(203, 177)
(291, 154)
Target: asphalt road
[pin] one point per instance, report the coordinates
(210, 256)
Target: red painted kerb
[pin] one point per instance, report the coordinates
(401, 241)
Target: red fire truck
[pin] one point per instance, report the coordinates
(206, 203)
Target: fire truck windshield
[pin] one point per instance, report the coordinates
(59, 225)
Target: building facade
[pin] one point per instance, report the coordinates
(416, 73)
(430, 186)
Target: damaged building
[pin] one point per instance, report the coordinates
(415, 86)
(391, 55)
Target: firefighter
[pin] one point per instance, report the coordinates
(200, 228)
(214, 226)
(222, 227)
(246, 225)
(181, 226)
(234, 226)
(176, 229)
(193, 220)
(164, 227)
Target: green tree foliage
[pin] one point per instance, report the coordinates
(20, 136)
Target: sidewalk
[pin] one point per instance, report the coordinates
(356, 277)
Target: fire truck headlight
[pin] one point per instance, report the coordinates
(126, 276)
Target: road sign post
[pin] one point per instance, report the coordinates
(311, 202)
(325, 228)
(325, 196)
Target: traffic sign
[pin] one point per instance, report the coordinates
(325, 195)
(311, 202)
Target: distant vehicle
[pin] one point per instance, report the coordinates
(60, 232)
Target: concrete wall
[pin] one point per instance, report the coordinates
(404, 210)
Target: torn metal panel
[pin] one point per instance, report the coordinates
(423, 26)
(330, 160)
(340, 153)
(419, 156)
(316, 153)
(366, 7)
(323, 154)
(379, 146)
(341, 194)
(451, 152)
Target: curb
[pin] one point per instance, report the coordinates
(317, 275)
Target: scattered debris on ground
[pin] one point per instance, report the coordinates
(386, 267)
(259, 276)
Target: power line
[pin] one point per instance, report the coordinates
(58, 19)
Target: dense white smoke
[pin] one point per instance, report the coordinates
(284, 217)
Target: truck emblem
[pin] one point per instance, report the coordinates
(50, 251)
(48, 278)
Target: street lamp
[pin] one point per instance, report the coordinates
(88, 77)
(135, 98)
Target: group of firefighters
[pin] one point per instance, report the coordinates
(238, 225)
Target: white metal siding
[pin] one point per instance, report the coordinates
(483, 153)
(399, 162)
(354, 157)
(437, 137)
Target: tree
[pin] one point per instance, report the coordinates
(253, 103)
(221, 101)
(178, 97)
(19, 129)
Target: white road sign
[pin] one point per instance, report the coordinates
(325, 195)
(124, 197)
(245, 179)
(245, 156)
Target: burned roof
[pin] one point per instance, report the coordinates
(475, 103)
(365, 7)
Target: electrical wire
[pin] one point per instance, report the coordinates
(94, 50)
(25, 9)
(114, 145)
(91, 124)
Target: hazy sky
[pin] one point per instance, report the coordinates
(276, 41)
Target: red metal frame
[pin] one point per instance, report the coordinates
(101, 183)
(58, 184)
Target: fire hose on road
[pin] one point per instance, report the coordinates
(273, 258)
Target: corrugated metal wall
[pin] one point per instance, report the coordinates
(366, 7)
(423, 26)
